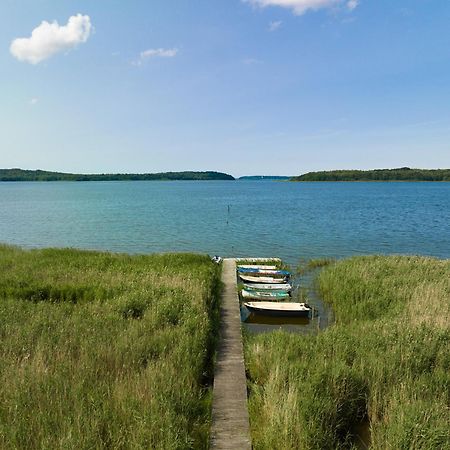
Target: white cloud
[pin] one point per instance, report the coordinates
(156, 53)
(352, 4)
(300, 7)
(162, 52)
(34, 101)
(50, 38)
(273, 26)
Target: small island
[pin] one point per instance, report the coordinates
(42, 175)
(400, 174)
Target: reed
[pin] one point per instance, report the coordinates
(101, 350)
(384, 365)
(311, 265)
(319, 262)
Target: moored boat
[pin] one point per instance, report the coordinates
(254, 266)
(262, 279)
(269, 287)
(282, 309)
(265, 295)
(264, 272)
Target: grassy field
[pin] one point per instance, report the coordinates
(104, 350)
(383, 368)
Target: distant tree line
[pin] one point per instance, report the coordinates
(263, 177)
(401, 174)
(42, 175)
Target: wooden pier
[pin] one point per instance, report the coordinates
(230, 422)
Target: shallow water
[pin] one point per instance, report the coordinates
(304, 291)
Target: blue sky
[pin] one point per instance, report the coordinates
(245, 87)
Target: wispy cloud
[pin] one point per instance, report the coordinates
(156, 53)
(33, 101)
(352, 4)
(251, 61)
(49, 39)
(162, 52)
(406, 12)
(300, 7)
(273, 26)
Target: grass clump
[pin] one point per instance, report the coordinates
(384, 365)
(313, 264)
(319, 262)
(102, 350)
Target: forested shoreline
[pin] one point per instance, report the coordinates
(401, 174)
(43, 175)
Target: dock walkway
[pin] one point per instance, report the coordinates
(230, 421)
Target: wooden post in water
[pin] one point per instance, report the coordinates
(230, 422)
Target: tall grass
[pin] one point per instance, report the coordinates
(385, 364)
(311, 265)
(102, 350)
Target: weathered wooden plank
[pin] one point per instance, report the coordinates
(230, 421)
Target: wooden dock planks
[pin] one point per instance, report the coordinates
(230, 420)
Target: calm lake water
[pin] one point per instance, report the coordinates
(293, 221)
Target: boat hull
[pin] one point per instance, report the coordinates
(265, 295)
(269, 287)
(277, 311)
(263, 280)
(261, 272)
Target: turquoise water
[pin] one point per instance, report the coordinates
(294, 221)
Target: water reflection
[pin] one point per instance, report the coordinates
(252, 318)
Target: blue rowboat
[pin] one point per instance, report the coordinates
(268, 287)
(265, 295)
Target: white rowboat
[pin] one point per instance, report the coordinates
(254, 266)
(279, 309)
(263, 280)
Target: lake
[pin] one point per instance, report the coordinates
(294, 221)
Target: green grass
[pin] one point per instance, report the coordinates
(313, 264)
(385, 363)
(103, 350)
